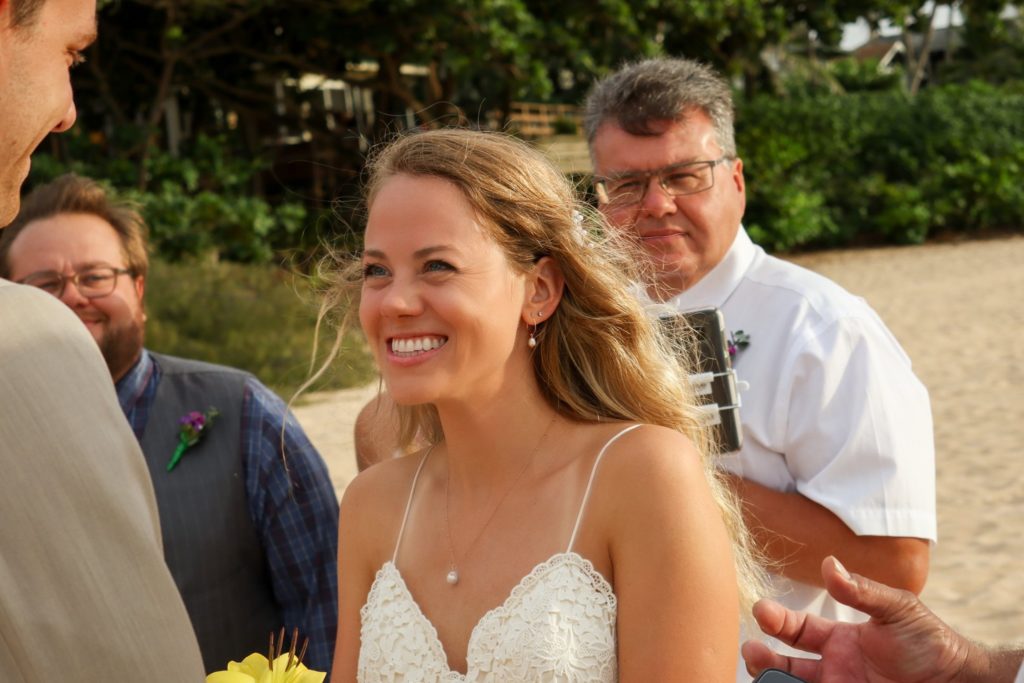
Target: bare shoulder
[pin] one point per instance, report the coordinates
(381, 490)
(650, 452)
(374, 502)
(648, 474)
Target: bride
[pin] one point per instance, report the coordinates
(564, 523)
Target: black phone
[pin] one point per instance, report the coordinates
(714, 380)
(777, 676)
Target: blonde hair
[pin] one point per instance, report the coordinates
(599, 356)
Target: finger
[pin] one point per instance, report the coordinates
(759, 657)
(806, 632)
(875, 599)
(769, 615)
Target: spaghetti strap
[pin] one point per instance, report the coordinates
(590, 482)
(408, 504)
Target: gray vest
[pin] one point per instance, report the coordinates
(210, 544)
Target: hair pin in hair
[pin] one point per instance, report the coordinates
(580, 228)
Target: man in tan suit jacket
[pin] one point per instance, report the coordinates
(84, 592)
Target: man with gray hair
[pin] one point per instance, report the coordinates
(837, 456)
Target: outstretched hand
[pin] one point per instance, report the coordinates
(903, 642)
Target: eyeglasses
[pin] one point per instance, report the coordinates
(92, 283)
(629, 189)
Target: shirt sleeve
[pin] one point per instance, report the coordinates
(858, 430)
(295, 511)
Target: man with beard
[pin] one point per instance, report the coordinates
(245, 526)
(84, 592)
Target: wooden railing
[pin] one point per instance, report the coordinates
(535, 120)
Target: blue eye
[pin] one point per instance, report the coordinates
(373, 270)
(437, 266)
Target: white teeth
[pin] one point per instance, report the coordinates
(417, 345)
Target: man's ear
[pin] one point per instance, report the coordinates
(739, 181)
(544, 286)
(140, 288)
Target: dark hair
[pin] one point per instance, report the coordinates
(642, 93)
(74, 194)
(24, 12)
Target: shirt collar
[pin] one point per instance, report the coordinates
(133, 383)
(721, 281)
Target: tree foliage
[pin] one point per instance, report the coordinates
(878, 167)
(198, 107)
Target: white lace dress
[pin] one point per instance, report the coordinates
(558, 624)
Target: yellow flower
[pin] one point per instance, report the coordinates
(256, 669)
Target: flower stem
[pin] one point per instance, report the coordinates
(178, 452)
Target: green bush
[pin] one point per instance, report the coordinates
(245, 229)
(856, 75)
(881, 166)
(197, 204)
(258, 318)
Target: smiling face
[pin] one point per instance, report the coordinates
(441, 306)
(69, 243)
(35, 85)
(684, 236)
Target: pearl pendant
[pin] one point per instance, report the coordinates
(453, 577)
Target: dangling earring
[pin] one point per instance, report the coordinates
(532, 341)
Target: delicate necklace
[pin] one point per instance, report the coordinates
(453, 573)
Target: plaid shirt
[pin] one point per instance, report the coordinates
(296, 519)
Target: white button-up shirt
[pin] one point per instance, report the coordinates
(833, 410)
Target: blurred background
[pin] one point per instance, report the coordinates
(241, 127)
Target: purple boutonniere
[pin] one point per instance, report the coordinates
(738, 341)
(191, 428)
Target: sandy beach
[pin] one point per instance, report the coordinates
(956, 309)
